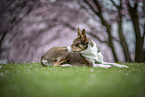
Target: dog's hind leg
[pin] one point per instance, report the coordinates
(60, 60)
(57, 63)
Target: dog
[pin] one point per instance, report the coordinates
(83, 52)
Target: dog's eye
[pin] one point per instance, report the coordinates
(77, 44)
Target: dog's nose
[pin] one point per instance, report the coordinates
(65, 49)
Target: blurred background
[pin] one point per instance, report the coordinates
(28, 28)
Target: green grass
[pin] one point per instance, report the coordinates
(33, 80)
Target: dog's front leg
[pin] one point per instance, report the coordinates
(57, 63)
(66, 65)
(115, 65)
(101, 65)
(100, 59)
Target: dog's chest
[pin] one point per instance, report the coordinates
(90, 52)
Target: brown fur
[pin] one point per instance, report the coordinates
(81, 42)
(55, 53)
(55, 56)
(59, 55)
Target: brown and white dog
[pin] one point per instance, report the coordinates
(82, 52)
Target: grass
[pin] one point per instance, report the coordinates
(33, 80)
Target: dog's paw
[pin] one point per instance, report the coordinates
(101, 65)
(122, 66)
(66, 65)
(118, 65)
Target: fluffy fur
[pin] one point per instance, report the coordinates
(91, 53)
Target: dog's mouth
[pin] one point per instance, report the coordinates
(68, 49)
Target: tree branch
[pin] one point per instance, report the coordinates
(108, 27)
(135, 5)
(114, 3)
(14, 21)
(89, 33)
(96, 37)
(88, 12)
(90, 6)
(98, 6)
(99, 13)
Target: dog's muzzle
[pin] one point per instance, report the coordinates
(68, 48)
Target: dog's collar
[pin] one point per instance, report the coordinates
(91, 51)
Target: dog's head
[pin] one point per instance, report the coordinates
(80, 43)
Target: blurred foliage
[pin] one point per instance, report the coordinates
(29, 28)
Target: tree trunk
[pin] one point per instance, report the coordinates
(139, 40)
(105, 23)
(122, 38)
(139, 49)
(124, 44)
(144, 56)
(111, 45)
(1, 41)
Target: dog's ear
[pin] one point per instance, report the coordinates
(83, 36)
(79, 32)
(83, 32)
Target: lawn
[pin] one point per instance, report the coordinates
(33, 80)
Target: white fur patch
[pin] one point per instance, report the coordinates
(45, 62)
(100, 57)
(101, 65)
(94, 56)
(66, 65)
(115, 65)
(91, 53)
(69, 48)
